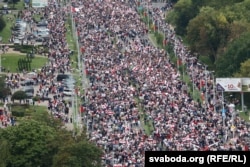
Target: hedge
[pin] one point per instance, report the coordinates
(18, 113)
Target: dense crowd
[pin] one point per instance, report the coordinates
(45, 83)
(130, 79)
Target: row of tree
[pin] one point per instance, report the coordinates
(25, 63)
(42, 141)
(4, 91)
(2, 23)
(217, 30)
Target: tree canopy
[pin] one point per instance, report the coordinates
(2, 23)
(28, 144)
(19, 95)
(4, 92)
(215, 29)
(236, 53)
(44, 142)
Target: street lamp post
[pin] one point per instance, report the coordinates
(223, 115)
(249, 116)
(206, 88)
(232, 109)
(73, 117)
(193, 78)
(0, 63)
(148, 15)
(214, 92)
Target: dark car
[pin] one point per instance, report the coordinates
(16, 28)
(61, 77)
(42, 23)
(28, 83)
(45, 98)
(39, 40)
(29, 37)
(29, 95)
(29, 89)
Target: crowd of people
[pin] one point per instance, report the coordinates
(45, 83)
(132, 83)
(130, 79)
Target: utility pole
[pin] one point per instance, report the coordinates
(223, 115)
(214, 92)
(193, 77)
(148, 15)
(0, 63)
(206, 101)
(73, 116)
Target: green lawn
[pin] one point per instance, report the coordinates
(17, 6)
(69, 35)
(244, 116)
(30, 111)
(10, 61)
(71, 42)
(152, 38)
(6, 32)
(149, 128)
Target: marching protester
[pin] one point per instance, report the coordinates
(133, 83)
(130, 79)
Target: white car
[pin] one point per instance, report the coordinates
(68, 92)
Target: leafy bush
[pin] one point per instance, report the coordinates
(36, 98)
(18, 113)
(159, 38)
(22, 105)
(2, 23)
(28, 112)
(24, 48)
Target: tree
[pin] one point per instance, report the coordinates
(207, 32)
(4, 92)
(13, 2)
(184, 11)
(2, 23)
(237, 52)
(42, 141)
(237, 28)
(5, 152)
(19, 95)
(29, 144)
(80, 154)
(244, 69)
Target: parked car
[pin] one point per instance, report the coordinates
(68, 92)
(39, 40)
(29, 95)
(28, 82)
(42, 23)
(17, 41)
(29, 89)
(60, 77)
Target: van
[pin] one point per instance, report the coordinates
(68, 92)
(61, 77)
(29, 89)
(28, 83)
